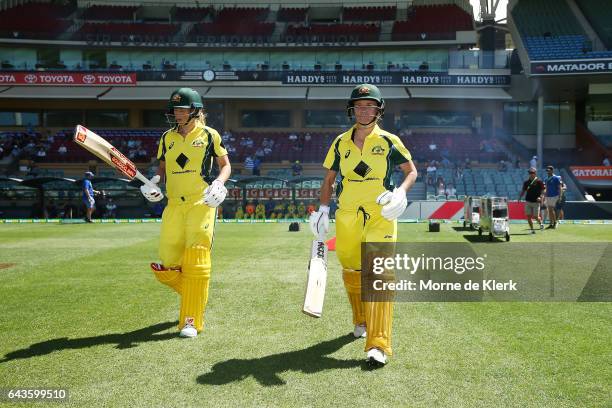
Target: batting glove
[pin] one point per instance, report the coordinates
(152, 193)
(215, 194)
(396, 206)
(319, 222)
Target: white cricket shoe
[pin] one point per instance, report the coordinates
(360, 331)
(188, 331)
(376, 358)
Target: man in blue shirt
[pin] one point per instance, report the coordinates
(88, 196)
(553, 190)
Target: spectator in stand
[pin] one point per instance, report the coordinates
(293, 137)
(142, 154)
(296, 168)
(468, 162)
(502, 166)
(256, 166)
(62, 150)
(259, 153)
(445, 163)
(432, 146)
(450, 190)
(517, 163)
(459, 171)
(249, 164)
(440, 186)
(307, 137)
(432, 169)
(41, 154)
(534, 162)
(249, 143)
(606, 161)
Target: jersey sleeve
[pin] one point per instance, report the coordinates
(219, 149)
(399, 153)
(161, 150)
(332, 159)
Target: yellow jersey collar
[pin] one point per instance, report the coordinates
(376, 132)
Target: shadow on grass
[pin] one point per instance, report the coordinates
(122, 340)
(266, 369)
(463, 229)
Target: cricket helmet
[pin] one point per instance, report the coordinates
(184, 98)
(366, 92)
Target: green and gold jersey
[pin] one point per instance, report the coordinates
(189, 160)
(366, 173)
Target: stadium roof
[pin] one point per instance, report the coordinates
(256, 92)
(343, 92)
(53, 92)
(142, 93)
(459, 93)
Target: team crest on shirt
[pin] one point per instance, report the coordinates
(171, 145)
(347, 154)
(378, 150)
(197, 143)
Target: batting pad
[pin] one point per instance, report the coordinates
(196, 274)
(352, 283)
(379, 317)
(169, 277)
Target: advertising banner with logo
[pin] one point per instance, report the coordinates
(331, 78)
(596, 176)
(572, 67)
(68, 78)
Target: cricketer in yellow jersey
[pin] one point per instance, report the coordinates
(365, 157)
(186, 153)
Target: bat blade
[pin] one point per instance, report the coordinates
(96, 145)
(317, 280)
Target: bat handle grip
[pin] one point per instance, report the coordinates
(145, 180)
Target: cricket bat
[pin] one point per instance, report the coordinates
(98, 146)
(317, 279)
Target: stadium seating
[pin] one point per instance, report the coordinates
(232, 29)
(109, 13)
(17, 22)
(599, 14)
(551, 31)
(365, 32)
(489, 182)
(459, 146)
(192, 13)
(292, 14)
(369, 13)
(432, 22)
(118, 30)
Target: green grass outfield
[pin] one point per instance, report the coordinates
(81, 310)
